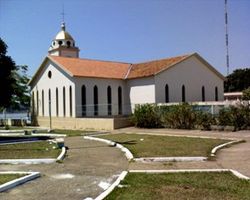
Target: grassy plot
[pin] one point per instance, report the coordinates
(182, 186)
(4, 178)
(28, 150)
(71, 132)
(155, 146)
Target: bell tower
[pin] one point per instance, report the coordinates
(64, 44)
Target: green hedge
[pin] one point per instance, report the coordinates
(185, 116)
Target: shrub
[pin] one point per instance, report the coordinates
(224, 117)
(146, 116)
(180, 116)
(205, 120)
(246, 94)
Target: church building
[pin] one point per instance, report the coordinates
(71, 92)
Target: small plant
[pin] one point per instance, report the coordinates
(205, 120)
(145, 116)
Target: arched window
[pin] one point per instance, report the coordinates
(109, 97)
(70, 101)
(33, 103)
(57, 109)
(166, 93)
(203, 93)
(119, 100)
(95, 100)
(64, 102)
(49, 95)
(183, 93)
(83, 100)
(68, 43)
(37, 103)
(216, 93)
(43, 102)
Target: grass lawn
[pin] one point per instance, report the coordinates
(4, 178)
(28, 150)
(182, 186)
(71, 133)
(157, 146)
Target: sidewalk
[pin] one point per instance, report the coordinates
(88, 163)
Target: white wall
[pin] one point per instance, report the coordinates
(59, 79)
(193, 74)
(141, 90)
(102, 85)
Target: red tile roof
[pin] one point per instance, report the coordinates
(115, 70)
(92, 68)
(153, 67)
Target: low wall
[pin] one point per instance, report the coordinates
(84, 123)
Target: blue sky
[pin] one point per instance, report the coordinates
(128, 30)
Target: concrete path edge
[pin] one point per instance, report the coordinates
(128, 154)
(16, 182)
(35, 161)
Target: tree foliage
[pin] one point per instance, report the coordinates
(238, 80)
(7, 81)
(246, 94)
(13, 82)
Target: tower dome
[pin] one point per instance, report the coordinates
(63, 44)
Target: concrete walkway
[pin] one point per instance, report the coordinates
(236, 157)
(88, 163)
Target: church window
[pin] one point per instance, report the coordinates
(33, 103)
(95, 100)
(119, 100)
(203, 93)
(64, 103)
(166, 93)
(183, 91)
(54, 43)
(57, 110)
(49, 74)
(37, 103)
(70, 101)
(43, 102)
(49, 94)
(109, 96)
(60, 42)
(216, 93)
(68, 43)
(83, 100)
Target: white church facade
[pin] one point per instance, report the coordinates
(85, 93)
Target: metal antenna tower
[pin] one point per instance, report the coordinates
(226, 27)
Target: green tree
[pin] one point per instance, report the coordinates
(13, 82)
(238, 80)
(21, 95)
(246, 94)
(7, 81)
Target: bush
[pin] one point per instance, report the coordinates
(246, 94)
(205, 120)
(146, 116)
(236, 116)
(180, 116)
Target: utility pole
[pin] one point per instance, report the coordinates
(226, 28)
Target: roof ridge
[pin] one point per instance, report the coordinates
(161, 59)
(90, 59)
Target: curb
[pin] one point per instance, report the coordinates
(169, 159)
(112, 187)
(14, 183)
(35, 161)
(215, 149)
(234, 172)
(62, 154)
(128, 154)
